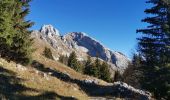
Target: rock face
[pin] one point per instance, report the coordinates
(49, 30)
(83, 45)
(127, 91)
(95, 48)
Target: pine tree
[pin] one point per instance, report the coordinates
(5, 20)
(97, 65)
(6, 26)
(105, 72)
(14, 32)
(72, 62)
(154, 48)
(88, 66)
(94, 70)
(97, 70)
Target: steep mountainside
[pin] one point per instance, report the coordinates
(47, 79)
(82, 44)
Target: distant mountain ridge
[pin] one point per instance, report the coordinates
(83, 45)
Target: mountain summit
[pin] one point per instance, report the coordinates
(83, 45)
(49, 30)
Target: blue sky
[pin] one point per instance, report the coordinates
(112, 22)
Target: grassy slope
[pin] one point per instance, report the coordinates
(31, 83)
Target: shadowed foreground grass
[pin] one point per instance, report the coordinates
(10, 88)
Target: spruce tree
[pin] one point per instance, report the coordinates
(154, 46)
(97, 65)
(22, 42)
(88, 66)
(105, 72)
(5, 26)
(73, 62)
(14, 31)
(94, 70)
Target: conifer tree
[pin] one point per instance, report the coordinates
(94, 70)
(105, 72)
(97, 65)
(72, 61)
(5, 26)
(97, 70)
(14, 31)
(88, 66)
(154, 46)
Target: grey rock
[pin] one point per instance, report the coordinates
(95, 48)
(83, 45)
(126, 90)
(91, 81)
(49, 30)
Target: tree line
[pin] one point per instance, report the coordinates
(93, 68)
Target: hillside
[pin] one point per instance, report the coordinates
(49, 79)
(40, 81)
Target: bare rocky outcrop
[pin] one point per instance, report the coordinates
(119, 89)
(20, 67)
(127, 91)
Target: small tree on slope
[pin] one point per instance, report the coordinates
(72, 61)
(89, 70)
(104, 72)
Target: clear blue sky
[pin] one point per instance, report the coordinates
(112, 22)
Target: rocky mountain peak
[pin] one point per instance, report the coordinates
(49, 30)
(83, 45)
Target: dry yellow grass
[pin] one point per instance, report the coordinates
(36, 83)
